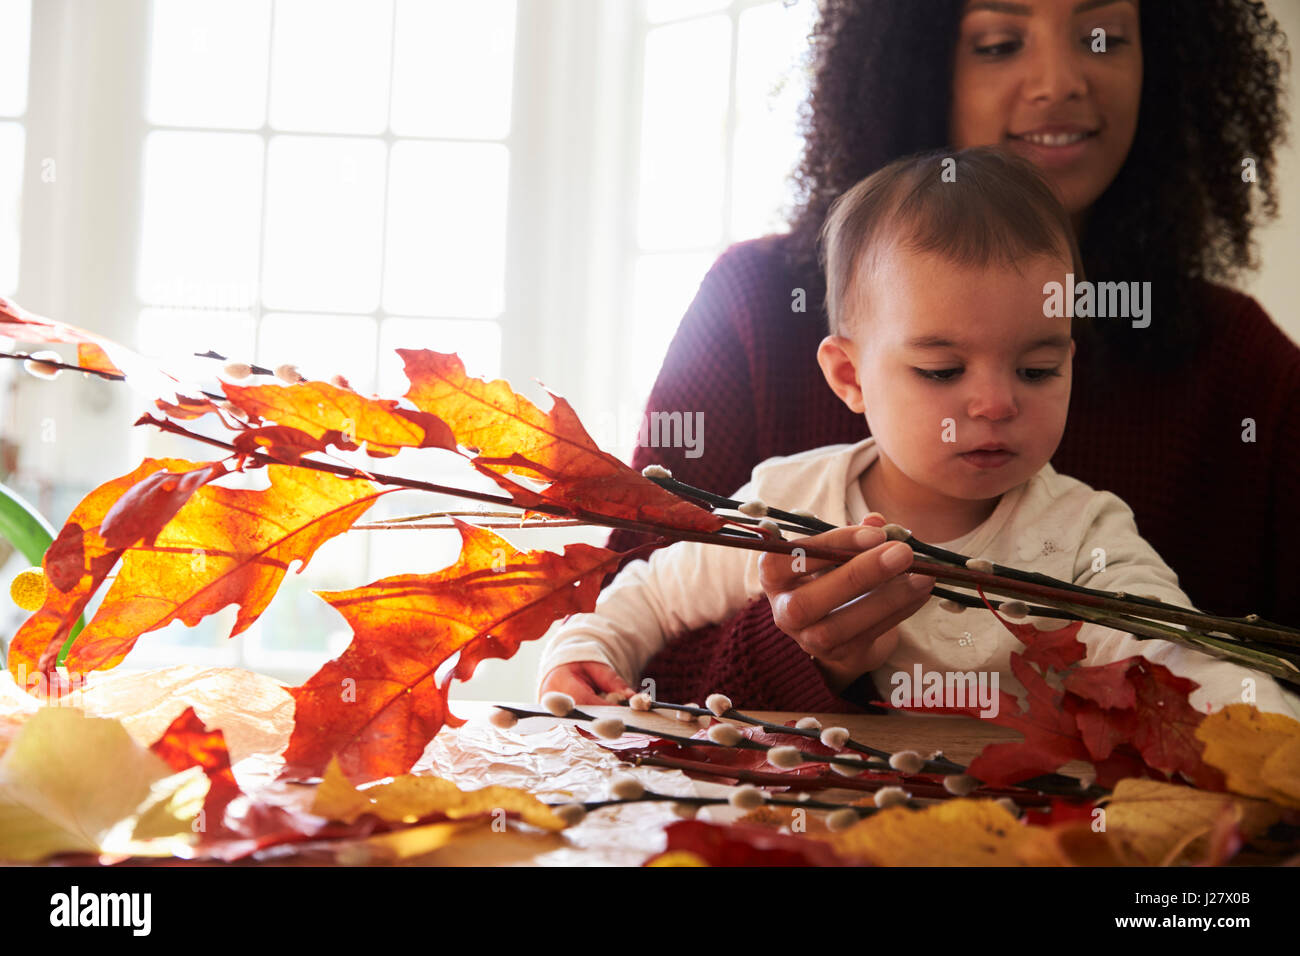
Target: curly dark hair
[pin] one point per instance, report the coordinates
(1211, 97)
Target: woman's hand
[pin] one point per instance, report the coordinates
(587, 682)
(845, 616)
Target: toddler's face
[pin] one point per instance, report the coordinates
(950, 360)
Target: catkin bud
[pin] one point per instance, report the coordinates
(725, 734)
(338, 381)
(1014, 609)
(979, 564)
(1009, 805)
(558, 703)
(770, 528)
(746, 798)
(960, 784)
(640, 701)
(891, 796)
(570, 813)
(685, 716)
(237, 370)
(718, 703)
(844, 770)
(803, 513)
(907, 761)
(39, 364)
(656, 471)
(808, 723)
(288, 374)
(502, 719)
(611, 728)
(626, 787)
(896, 532)
(841, 819)
(835, 737)
(755, 509)
(948, 604)
(784, 758)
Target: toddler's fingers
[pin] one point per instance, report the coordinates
(606, 680)
(781, 572)
(812, 601)
(844, 633)
(567, 680)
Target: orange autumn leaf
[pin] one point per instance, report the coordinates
(224, 546)
(341, 417)
(1258, 752)
(1163, 824)
(75, 565)
(961, 833)
(512, 434)
(92, 356)
(378, 704)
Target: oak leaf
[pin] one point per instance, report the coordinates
(378, 704)
(341, 417)
(510, 433)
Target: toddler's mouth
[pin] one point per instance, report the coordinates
(988, 456)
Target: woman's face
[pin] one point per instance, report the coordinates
(1032, 76)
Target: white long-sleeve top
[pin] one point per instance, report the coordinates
(1052, 523)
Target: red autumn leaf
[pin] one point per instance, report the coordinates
(746, 845)
(1101, 728)
(341, 417)
(378, 704)
(1167, 722)
(1106, 685)
(512, 434)
(1060, 811)
(236, 824)
(224, 546)
(151, 503)
(281, 442)
(186, 407)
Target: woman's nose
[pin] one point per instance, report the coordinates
(1054, 72)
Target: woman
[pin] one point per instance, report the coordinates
(1157, 125)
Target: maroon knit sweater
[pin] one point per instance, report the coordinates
(1222, 513)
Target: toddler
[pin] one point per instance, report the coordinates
(938, 271)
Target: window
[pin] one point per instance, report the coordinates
(719, 137)
(15, 33)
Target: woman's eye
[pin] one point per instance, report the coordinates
(1112, 40)
(1004, 48)
(939, 374)
(1040, 374)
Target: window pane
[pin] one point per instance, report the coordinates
(663, 288)
(447, 229)
(324, 224)
(15, 35)
(11, 188)
(453, 66)
(477, 343)
(298, 619)
(209, 62)
(175, 335)
(656, 11)
(322, 346)
(202, 195)
(683, 133)
(330, 65)
(770, 86)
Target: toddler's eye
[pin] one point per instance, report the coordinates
(939, 374)
(1040, 374)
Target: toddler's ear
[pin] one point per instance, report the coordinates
(838, 360)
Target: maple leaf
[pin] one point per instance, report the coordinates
(511, 434)
(341, 417)
(378, 704)
(223, 546)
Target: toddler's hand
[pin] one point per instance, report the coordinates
(845, 616)
(587, 682)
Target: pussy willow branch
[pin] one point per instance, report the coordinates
(730, 537)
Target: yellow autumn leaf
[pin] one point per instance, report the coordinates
(1166, 824)
(677, 858)
(953, 833)
(411, 797)
(76, 784)
(1256, 752)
